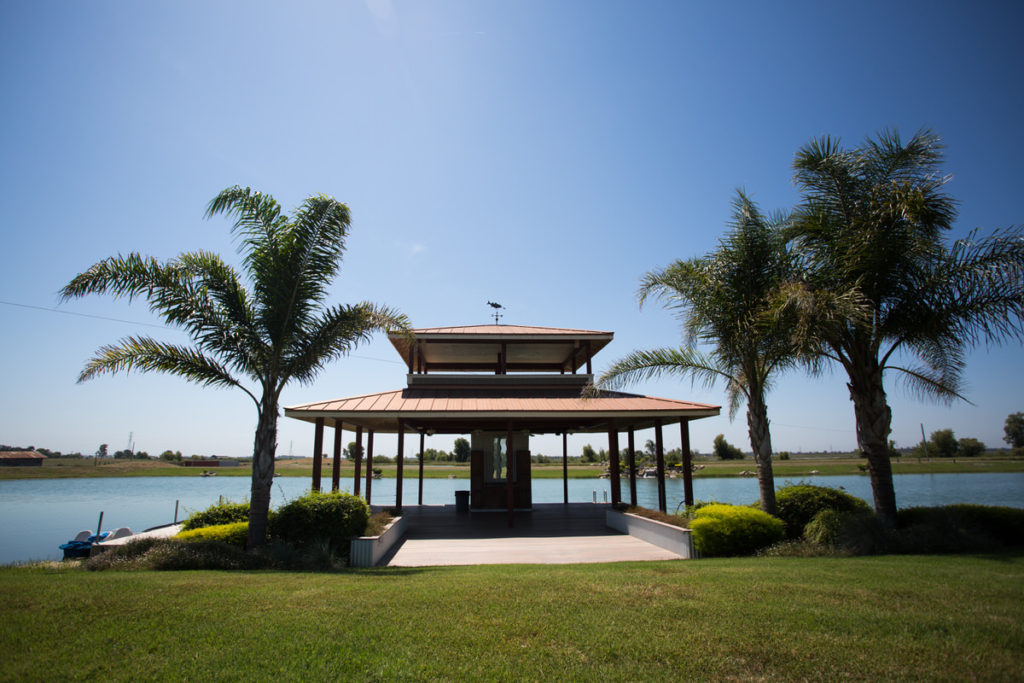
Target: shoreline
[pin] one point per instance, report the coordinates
(823, 466)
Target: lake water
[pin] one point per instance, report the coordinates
(37, 515)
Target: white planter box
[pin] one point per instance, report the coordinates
(367, 551)
(672, 538)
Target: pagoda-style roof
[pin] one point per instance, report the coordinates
(501, 348)
(461, 410)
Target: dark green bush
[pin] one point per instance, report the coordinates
(167, 553)
(316, 518)
(234, 534)
(720, 530)
(215, 515)
(175, 555)
(959, 528)
(798, 504)
(122, 556)
(854, 533)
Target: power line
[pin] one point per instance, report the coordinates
(135, 322)
(80, 315)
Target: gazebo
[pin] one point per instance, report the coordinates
(501, 384)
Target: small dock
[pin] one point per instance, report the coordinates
(165, 531)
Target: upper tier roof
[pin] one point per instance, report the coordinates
(475, 348)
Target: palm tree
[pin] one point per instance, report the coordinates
(879, 284)
(256, 334)
(722, 300)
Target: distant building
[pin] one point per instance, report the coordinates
(209, 463)
(21, 459)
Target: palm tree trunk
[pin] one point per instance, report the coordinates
(263, 453)
(761, 443)
(874, 421)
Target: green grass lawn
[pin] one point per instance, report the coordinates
(873, 618)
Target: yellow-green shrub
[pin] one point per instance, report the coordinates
(235, 534)
(720, 530)
(220, 513)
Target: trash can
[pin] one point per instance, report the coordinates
(462, 501)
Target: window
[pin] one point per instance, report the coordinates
(496, 461)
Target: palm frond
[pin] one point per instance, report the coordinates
(337, 332)
(928, 384)
(143, 354)
(640, 366)
(130, 276)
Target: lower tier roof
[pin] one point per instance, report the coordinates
(465, 410)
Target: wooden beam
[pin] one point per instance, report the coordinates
(336, 461)
(369, 463)
(439, 366)
(420, 497)
(318, 447)
(510, 453)
(400, 460)
(632, 469)
(359, 461)
(565, 468)
(659, 446)
(684, 441)
(613, 465)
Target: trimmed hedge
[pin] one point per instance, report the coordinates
(216, 515)
(720, 530)
(234, 534)
(317, 518)
(950, 526)
(797, 505)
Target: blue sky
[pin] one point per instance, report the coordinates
(540, 154)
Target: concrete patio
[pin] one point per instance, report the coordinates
(551, 533)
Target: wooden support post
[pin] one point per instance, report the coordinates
(401, 459)
(504, 358)
(510, 464)
(336, 460)
(659, 446)
(318, 448)
(359, 461)
(420, 496)
(632, 469)
(565, 468)
(613, 465)
(684, 443)
(590, 369)
(369, 463)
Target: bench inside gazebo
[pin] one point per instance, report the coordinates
(500, 384)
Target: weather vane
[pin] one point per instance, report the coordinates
(496, 307)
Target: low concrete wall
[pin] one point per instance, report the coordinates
(367, 551)
(672, 538)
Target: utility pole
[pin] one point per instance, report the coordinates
(924, 444)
